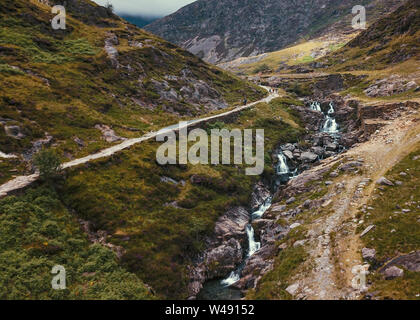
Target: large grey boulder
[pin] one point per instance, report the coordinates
(259, 196)
(409, 261)
(393, 272)
(232, 224)
(288, 154)
(369, 254)
(308, 157)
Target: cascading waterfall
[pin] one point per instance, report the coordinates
(253, 246)
(233, 278)
(316, 106)
(283, 172)
(261, 210)
(282, 167)
(330, 125)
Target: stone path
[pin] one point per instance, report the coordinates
(334, 246)
(23, 181)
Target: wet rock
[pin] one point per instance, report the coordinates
(393, 272)
(256, 266)
(312, 119)
(308, 157)
(384, 182)
(322, 139)
(259, 196)
(288, 147)
(301, 183)
(224, 249)
(319, 151)
(331, 147)
(288, 154)
(269, 231)
(232, 224)
(221, 260)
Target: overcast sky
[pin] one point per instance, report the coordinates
(146, 7)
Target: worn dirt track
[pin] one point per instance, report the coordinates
(334, 246)
(24, 181)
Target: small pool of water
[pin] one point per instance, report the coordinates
(214, 290)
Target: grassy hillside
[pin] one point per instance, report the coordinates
(396, 232)
(162, 224)
(159, 215)
(273, 62)
(64, 82)
(37, 233)
(391, 40)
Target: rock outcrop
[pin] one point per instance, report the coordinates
(225, 249)
(390, 86)
(223, 30)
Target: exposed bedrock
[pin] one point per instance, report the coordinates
(224, 249)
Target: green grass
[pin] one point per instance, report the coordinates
(387, 216)
(124, 195)
(5, 68)
(69, 85)
(37, 233)
(306, 59)
(273, 284)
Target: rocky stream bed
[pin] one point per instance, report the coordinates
(236, 250)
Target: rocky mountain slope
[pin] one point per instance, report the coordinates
(220, 31)
(356, 212)
(96, 83)
(339, 192)
(389, 41)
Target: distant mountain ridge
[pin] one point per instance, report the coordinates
(139, 21)
(223, 30)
